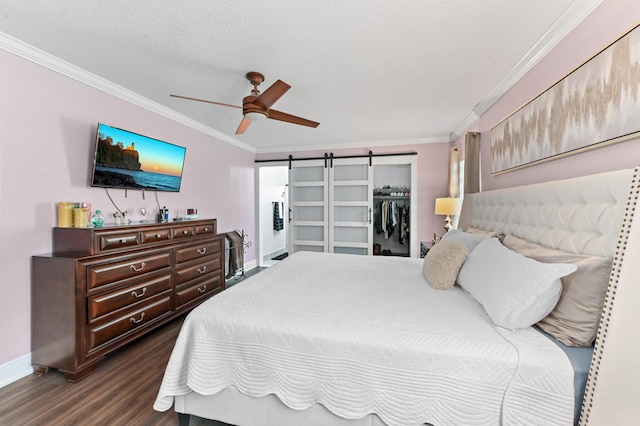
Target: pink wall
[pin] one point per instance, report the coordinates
(607, 23)
(47, 132)
(47, 125)
(432, 178)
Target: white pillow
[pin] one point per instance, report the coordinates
(466, 238)
(516, 291)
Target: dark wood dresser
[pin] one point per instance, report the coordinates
(104, 287)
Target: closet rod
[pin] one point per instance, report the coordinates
(337, 156)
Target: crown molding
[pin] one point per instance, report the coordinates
(348, 145)
(575, 13)
(37, 56)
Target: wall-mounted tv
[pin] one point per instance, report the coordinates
(128, 160)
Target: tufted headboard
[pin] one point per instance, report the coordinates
(592, 215)
(579, 215)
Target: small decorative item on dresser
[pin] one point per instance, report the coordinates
(97, 220)
(143, 212)
(192, 214)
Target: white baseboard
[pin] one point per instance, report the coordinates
(15, 370)
(250, 265)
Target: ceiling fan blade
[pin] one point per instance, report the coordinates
(283, 116)
(244, 125)
(204, 100)
(272, 94)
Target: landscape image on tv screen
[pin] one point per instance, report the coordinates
(128, 160)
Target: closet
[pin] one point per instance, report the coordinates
(332, 204)
(392, 210)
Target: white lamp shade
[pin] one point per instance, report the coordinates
(448, 206)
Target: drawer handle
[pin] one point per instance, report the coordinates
(135, 294)
(202, 270)
(158, 236)
(203, 250)
(203, 289)
(185, 232)
(123, 241)
(133, 267)
(135, 321)
(206, 229)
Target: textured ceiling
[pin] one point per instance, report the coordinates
(372, 72)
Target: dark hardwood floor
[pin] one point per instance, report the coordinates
(121, 391)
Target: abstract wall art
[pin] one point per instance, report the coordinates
(596, 104)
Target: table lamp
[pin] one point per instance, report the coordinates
(448, 207)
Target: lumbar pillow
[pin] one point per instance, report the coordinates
(514, 290)
(478, 231)
(466, 238)
(442, 264)
(575, 319)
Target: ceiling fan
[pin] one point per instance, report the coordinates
(257, 106)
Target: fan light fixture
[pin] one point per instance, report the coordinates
(255, 116)
(448, 207)
(257, 106)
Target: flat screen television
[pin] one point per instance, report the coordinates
(128, 160)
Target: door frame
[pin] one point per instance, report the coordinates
(411, 160)
(262, 211)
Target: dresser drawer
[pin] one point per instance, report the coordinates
(126, 323)
(118, 240)
(197, 251)
(155, 235)
(208, 266)
(202, 289)
(207, 228)
(183, 232)
(107, 273)
(97, 306)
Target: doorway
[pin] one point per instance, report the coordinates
(272, 213)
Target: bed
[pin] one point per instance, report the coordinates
(335, 339)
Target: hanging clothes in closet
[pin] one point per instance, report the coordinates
(391, 219)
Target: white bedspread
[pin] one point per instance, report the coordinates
(366, 335)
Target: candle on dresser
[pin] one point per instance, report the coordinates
(65, 214)
(80, 217)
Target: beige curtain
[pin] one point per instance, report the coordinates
(454, 172)
(472, 163)
(454, 179)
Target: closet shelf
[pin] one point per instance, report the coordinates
(392, 197)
